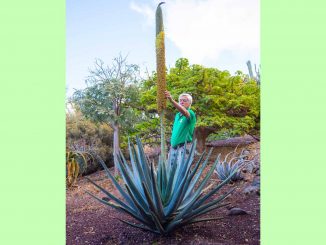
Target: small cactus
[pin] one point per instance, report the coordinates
(76, 164)
(251, 75)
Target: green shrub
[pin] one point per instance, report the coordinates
(82, 135)
(222, 135)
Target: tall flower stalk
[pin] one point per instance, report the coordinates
(161, 76)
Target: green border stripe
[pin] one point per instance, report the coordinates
(293, 122)
(32, 125)
(32, 132)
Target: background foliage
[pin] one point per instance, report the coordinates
(222, 102)
(85, 135)
(225, 105)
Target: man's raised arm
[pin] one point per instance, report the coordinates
(179, 107)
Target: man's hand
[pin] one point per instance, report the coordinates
(179, 107)
(168, 95)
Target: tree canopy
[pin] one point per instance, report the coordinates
(111, 96)
(221, 101)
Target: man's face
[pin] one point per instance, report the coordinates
(184, 101)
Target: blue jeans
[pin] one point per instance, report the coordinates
(175, 154)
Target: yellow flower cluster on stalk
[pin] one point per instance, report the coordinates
(160, 60)
(160, 66)
(161, 78)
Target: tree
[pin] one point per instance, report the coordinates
(221, 101)
(110, 97)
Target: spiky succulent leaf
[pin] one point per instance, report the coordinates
(232, 164)
(161, 208)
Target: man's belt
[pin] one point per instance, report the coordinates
(179, 145)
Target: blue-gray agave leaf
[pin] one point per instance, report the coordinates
(165, 196)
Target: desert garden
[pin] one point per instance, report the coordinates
(123, 188)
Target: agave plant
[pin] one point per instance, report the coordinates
(76, 164)
(232, 165)
(164, 197)
(171, 194)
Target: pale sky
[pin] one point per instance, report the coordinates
(224, 34)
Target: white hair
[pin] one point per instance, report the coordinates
(188, 97)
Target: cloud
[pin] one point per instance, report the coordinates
(207, 29)
(147, 11)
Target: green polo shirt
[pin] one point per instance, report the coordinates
(183, 128)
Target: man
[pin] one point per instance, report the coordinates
(183, 126)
